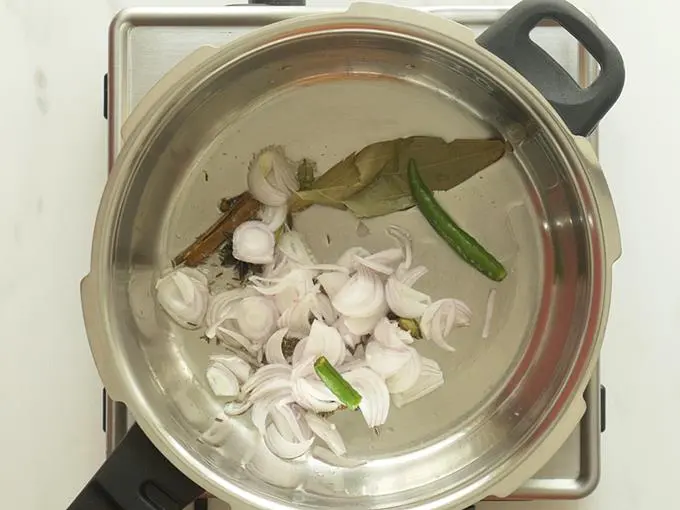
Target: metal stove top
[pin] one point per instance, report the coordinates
(156, 39)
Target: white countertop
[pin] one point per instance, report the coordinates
(52, 165)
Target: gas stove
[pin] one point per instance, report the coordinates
(156, 39)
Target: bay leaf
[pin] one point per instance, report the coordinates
(347, 177)
(373, 181)
(442, 165)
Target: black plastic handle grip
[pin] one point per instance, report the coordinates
(581, 108)
(137, 477)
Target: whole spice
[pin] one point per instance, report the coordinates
(243, 208)
(462, 242)
(336, 383)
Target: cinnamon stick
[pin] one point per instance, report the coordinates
(243, 208)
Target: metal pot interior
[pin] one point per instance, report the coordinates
(323, 96)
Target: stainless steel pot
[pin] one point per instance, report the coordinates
(324, 86)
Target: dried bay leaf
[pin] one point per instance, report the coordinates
(346, 178)
(373, 181)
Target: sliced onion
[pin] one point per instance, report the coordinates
(222, 308)
(325, 341)
(273, 349)
(410, 277)
(183, 294)
(296, 318)
(274, 216)
(237, 407)
(226, 334)
(351, 340)
(403, 239)
(490, 302)
(293, 246)
(290, 422)
(261, 408)
(269, 468)
(381, 261)
(407, 376)
(277, 386)
(389, 334)
(386, 361)
(261, 180)
(298, 358)
(348, 259)
(253, 243)
(362, 296)
(327, 432)
(364, 325)
(405, 301)
(284, 448)
(323, 310)
(284, 169)
(332, 282)
(441, 317)
(222, 381)
(256, 318)
(314, 396)
(328, 457)
(375, 397)
(430, 379)
(239, 367)
(266, 373)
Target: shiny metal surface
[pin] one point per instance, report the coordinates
(545, 202)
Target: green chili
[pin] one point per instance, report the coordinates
(463, 243)
(336, 383)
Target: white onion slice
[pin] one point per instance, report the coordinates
(273, 349)
(389, 334)
(237, 407)
(430, 379)
(375, 397)
(323, 310)
(254, 243)
(262, 181)
(239, 367)
(314, 396)
(491, 301)
(405, 301)
(222, 381)
(326, 456)
(386, 361)
(284, 169)
(293, 246)
(266, 373)
(256, 318)
(403, 239)
(364, 325)
(325, 341)
(362, 296)
(261, 408)
(269, 468)
(274, 216)
(348, 258)
(290, 422)
(407, 376)
(284, 448)
(327, 432)
(222, 308)
(183, 294)
(351, 340)
(441, 317)
(381, 261)
(332, 282)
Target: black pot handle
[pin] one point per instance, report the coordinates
(581, 108)
(137, 477)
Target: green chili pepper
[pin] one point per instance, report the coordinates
(463, 243)
(336, 383)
